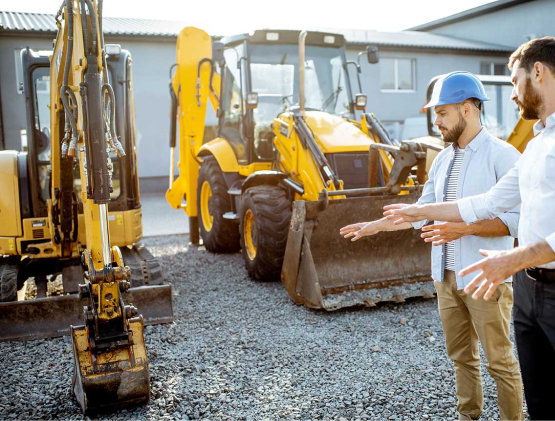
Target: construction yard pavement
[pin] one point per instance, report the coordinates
(241, 350)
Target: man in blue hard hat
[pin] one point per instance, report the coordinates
(472, 164)
(531, 182)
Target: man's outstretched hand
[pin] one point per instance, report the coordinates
(359, 230)
(495, 268)
(443, 233)
(402, 212)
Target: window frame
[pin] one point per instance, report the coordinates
(492, 65)
(396, 76)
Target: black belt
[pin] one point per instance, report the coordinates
(541, 275)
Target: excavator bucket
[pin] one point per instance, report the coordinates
(323, 270)
(113, 378)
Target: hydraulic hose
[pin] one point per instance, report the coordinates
(94, 33)
(85, 27)
(105, 72)
(114, 139)
(65, 89)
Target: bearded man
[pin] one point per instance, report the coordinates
(473, 163)
(530, 182)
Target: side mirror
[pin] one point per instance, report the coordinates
(252, 100)
(217, 52)
(373, 54)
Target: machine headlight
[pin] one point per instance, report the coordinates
(360, 101)
(252, 100)
(112, 49)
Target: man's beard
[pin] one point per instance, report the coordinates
(531, 104)
(452, 136)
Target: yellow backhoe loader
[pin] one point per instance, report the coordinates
(71, 205)
(291, 165)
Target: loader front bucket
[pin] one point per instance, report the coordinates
(323, 270)
(53, 316)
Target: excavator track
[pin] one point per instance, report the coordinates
(145, 269)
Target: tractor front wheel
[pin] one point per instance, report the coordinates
(218, 234)
(265, 218)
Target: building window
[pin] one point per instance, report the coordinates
(489, 68)
(397, 75)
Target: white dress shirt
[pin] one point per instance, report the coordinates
(532, 182)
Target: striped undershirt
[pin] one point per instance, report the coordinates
(451, 195)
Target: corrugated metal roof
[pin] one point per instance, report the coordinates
(468, 14)
(416, 39)
(45, 23)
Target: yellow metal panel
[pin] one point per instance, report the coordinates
(335, 134)
(8, 246)
(247, 170)
(10, 212)
(522, 134)
(223, 152)
(133, 223)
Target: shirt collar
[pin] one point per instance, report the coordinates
(549, 122)
(478, 140)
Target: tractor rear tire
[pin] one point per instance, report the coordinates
(218, 234)
(8, 278)
(264, 227)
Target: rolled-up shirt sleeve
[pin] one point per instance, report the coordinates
(511, 219)
(502, 197)
(551, 240)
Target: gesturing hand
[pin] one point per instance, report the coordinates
(359, 230)
(402, 212)
(443, 233)
(495, 268)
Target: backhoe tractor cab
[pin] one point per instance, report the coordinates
(291, 165)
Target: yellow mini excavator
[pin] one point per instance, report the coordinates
(71, 205)
(42, 224)
(291, 165)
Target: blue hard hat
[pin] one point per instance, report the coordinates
(455, 87)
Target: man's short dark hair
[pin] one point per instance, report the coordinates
(539, 49)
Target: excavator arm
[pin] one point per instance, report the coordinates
(110, 363)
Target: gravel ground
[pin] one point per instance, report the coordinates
(241, 350)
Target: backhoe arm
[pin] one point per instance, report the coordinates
(194, 84)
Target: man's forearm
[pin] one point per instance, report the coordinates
(488, 228)
(532, 255)
(385, 224)
(445, 212)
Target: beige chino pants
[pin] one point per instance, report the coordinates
(465, 321)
